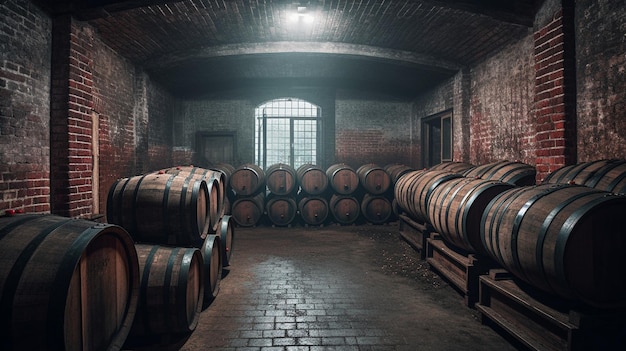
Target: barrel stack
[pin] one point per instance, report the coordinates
(312, 196)
(282, 187)
(376, 199)
(247, 183)
(343, 203)
(174, 217)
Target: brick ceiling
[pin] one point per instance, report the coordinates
(399, 47)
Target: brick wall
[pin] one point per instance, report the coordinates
(25, 49)
(372, 129)
(501, 125)
(601, 79)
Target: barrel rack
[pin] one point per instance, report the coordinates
(541, 322)
(460, 269)
(414, 233)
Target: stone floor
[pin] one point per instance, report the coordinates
(334, 288)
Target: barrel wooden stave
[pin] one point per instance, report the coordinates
(313, 210)
(312, 179)
(67, 283)
(171, 290)
(567, 240)
(396, 170)
(342, 179)
(281, 179)
(374, 178)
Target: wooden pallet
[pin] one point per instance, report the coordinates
(460, 269)
(414, 233)
(547, 324)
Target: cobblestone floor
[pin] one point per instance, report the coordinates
(334, 288)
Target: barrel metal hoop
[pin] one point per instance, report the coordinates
(616, 181)
(467, 202)
(494, 169)
(444, 196)
(518, 220)
(432, 187)
(597, 177)
(16, 223)
(544, 230)
(195, 194)
(13, 278)
(563, 236)
(110, 207)
(145, 280)
(183, 278)
(165, 207)
(505, 203)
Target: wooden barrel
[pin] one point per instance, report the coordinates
(605, 175)
(612, 177)
(419, 188)
(456, 208)
(453, 166)
(375, 179)
(342, 179)
(376, 208)
(247, 211)
(65, 284)
(281, 210)
(247, 180)
(160, 208)
(564, 239)
(171, 290)
(396, 170)
(516, 173)
(313, 209)
(312, 179)
(403, 192)
(225, 168)
(211, 251)
(227, 239)
(216, 184)
(345, 208)
(281, 179)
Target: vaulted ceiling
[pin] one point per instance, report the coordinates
(397, 47)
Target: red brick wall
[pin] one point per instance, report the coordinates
(554, 100)
(25, 46)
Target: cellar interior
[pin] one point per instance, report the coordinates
(312, 175)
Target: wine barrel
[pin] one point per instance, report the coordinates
(456, 208)
(281, 179)
(396, 171)
(171, 290)
(453, 166)
(419, 189)
(211, 251)
(612, 177)
(345, 208)
(516, 173)
(312, 179)
(247, 211)
(281, 210)
(66, 284)
(215, 188)
(247, 180)
(403, 190)
(376, 208)
(313, 209)
(374, 178)
(605, 175)
(227, 239)
(564, 239)
(160, 208)
(342, 179)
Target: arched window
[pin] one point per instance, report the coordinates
(286, 131)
